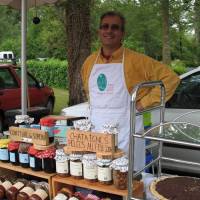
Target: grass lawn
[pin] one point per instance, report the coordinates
(61, 97)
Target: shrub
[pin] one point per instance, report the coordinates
(178, 66)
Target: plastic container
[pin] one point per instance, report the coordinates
(76, 166)
(26, 192)
(4, 155)
(13, 152)
(120, 173)
(6, 184)
(23, 154)
(104, 172)
(47, 124)
(34, 162)
(90, 167)
(62, 163)
(49, 163)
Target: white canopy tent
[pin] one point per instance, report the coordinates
(24, 5)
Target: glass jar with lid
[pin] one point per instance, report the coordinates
(62, 163)
(90, 167)
(76, 166)
(104, 172)
(13, 152)
(4, 186)
(26, 192)
(34, 162)
(120, 172)
(63, 194)
(4, 155)
(23, 121)
(41, 192)
(23, 154)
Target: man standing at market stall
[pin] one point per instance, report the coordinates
(109, 76)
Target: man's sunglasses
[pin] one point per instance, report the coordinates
(113, 27)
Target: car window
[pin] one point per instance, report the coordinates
(7, 81)
(32, 82)
(187, 95)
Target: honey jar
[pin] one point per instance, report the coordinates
(120, 172)
(89, 167)
(34, 162)
(76, 167)
(26, 192)
(62, 163)
(104, 172)
(13, 152)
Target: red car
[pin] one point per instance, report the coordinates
(10, 92)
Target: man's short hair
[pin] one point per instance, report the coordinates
(114, 13)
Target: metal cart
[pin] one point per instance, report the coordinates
(170, 132)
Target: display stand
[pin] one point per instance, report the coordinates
(28, 171)
(59, 182)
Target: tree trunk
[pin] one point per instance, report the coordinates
(166, 53)
(78, 45)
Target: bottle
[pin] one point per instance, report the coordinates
(13, 152)
(34, 162)
(4, 186)
(4, 155)
(23, 154)
(12, 192)
(47, 124)
(26, 192)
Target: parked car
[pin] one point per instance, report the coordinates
(183, 106)
(10, 92)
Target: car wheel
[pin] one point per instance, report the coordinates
(50, 105)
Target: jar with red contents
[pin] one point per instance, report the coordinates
(23, 154)
(47, 124)
(13, 152)
(34, 162)
(49, 163)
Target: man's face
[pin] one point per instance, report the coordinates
(110, 32)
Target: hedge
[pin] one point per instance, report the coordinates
(52, 72)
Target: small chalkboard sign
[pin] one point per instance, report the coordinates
(29, 135)
(89, 141)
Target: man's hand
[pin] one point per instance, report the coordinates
(139, 106)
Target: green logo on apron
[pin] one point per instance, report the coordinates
(102, 82)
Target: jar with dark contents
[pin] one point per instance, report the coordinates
(23, 121)
(13, 152)
(26, 192)
(76, 166)
(47, 125)
(4, 155)
(12, 192)
(6, 184)
(90, 167)
(63, 194)
(23, 154)
(41, 193)
(34, 162)
(120, 172)
(49, 163)
(62, 163)
(104, 172)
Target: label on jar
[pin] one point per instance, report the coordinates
(28, 190)
(7, 184)
(60, 196)
(41, 193)
(4, 154)
(90, 172)
(18, 185)
(104, 174)
(23, 158)
(32, 162)
(76, 168)
(12, 157)
(62, 167)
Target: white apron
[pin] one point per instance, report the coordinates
(110, 103)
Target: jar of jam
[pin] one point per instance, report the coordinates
(90, 167)
(63, 194)
(49, 163)
(13, 152)
(120, 172)
(23, 154)
(104, 172)
(47, 125)
(76, 167)
(34, 162)
(4, 155)
(62, 163)
(41, 193)
(6, 184)
(26, 192)
(23, 121)
(12, 192)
